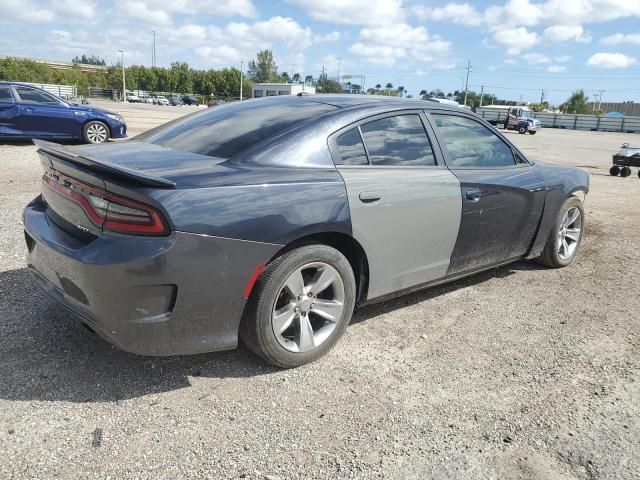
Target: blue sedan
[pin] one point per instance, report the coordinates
(30, 112)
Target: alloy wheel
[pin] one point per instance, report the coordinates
(569, 233)
(308, 307)
(97, 133)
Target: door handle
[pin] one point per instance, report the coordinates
(473, 194)
(369, 197)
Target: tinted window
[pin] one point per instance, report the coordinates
(31, 95)
(229, 129)
(5, 95)
(471, 144)
(399, 140)
(350, 149)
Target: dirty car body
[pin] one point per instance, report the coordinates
(157, 242)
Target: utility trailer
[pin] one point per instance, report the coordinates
(626, 158)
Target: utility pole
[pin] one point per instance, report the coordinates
(322, 74)
(466, 83)
(339, 61)
(481, 94)
(153, 51)
(124, 88)
(241, 64)
(542, 97)
(600, 99)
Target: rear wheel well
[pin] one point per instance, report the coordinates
(346, 245)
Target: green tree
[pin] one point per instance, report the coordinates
(296, 78)
(308, 79)
(389, 86)
(328, 86)
(401, 91)
(423, 94)
(263, 68)
(578, 102)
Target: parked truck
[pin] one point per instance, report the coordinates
(518, 118)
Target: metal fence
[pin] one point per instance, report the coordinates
(63, 91)
(574, 122)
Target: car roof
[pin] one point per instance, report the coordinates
(344, 101)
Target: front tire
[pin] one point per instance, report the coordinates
(95, 132)
(522, 130)
(300, 306)
(566, 235)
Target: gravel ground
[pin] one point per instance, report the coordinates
(519, 372)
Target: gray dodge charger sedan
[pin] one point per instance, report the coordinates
(269, 220)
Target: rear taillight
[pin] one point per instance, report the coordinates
(109, 211)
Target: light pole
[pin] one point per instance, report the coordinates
(241, 64)
(124, 88)
(153, 53)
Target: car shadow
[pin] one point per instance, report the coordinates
(24, 142)
(47, 355)
(373, 310)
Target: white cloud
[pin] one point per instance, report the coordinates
(25, 11)
(611, 60)
(384, 45)
(515, 39)
(536, 58)
(556, 68)
(330, 37)
(75, 8)
(218, 8)
(285, 29)
(618, 38)
(462, 13)
(352, 12)
(564, 33)
(528, 13)
(140, 11)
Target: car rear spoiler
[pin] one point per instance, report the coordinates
(95, 164)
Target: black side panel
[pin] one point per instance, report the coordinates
(502, 222)
(561, 182)
(264, 204)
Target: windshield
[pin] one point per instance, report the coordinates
(232, 128)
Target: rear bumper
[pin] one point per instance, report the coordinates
(174, 295)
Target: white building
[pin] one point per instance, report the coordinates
(275, 89)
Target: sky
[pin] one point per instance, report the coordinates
(517, 48)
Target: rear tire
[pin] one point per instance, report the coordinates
(532, 133)
(95, 132)
(286, 320)
(566, 235)
(625, 171)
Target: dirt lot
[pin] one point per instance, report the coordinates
(520, 372)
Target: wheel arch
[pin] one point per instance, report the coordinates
(93, 119)
(345, 244)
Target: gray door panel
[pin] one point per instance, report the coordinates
(406, 219)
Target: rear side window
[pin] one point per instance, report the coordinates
(232, 128)
(351, 149)
(471, 144)
(400, 140)
(5, 95)
(31, 95)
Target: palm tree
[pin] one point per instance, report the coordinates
(401, 91)
(423, 93)
(378, 86)
(296, 77)
(389, 86)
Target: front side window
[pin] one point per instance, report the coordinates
(471, 144)
(350, 148)
(400, 140)
(31, 95)
(5, 95)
